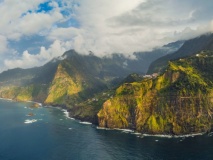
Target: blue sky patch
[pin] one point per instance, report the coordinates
(44, 7)
(30, 43)
(73, 23)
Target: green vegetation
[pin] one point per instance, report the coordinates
(27, 93)
(72, 83)
(62, 86)
(179, 101)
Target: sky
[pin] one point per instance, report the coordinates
(34, 32)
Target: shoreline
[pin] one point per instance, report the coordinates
(142, 135)
(40, 104)
(66, 113)
(7, 99)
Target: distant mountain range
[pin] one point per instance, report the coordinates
(139, 65)
(99, 73)
(190, 47)
(73, 78)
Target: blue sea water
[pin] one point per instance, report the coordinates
(53, 136)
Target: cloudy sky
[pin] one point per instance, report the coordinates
(32, 32)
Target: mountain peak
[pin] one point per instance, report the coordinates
(70, 53)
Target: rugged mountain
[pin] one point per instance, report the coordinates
(144, 59)
(179, 101)
(115, 66)
(71, 80)
(190, 47)
(27, 84)
(21, 77)
(71, 69)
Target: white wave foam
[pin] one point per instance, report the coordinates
(154, 135)
(124, 130)
(7, 99)
(30, 121)
(71, 118)
(157, 135)
(136, 133)
(173, 136)
(189, 135)
(102, 128)
(118, 129)
(66, 113)
(85, 122)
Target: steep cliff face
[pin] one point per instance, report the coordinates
(179, 101)
(63, 86)
(68, 81)
(73, 78)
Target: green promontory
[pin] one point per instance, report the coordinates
(178, 101)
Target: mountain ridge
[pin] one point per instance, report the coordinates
(179, 101)
(68, 81)
(189, 47)
(86, 86)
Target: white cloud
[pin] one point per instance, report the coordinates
(104, 26)
(109, 26)
(95, 34)
(64, 33)
(12, 10)
(35, 22)
(28, 60)
(20, 19)
(3, 46)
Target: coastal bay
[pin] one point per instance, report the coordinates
(52, 135)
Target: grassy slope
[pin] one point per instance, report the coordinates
(157, 105)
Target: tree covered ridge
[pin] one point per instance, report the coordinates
(178, 101)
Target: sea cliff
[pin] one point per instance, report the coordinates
(178, 101)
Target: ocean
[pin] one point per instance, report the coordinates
(46, 133)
